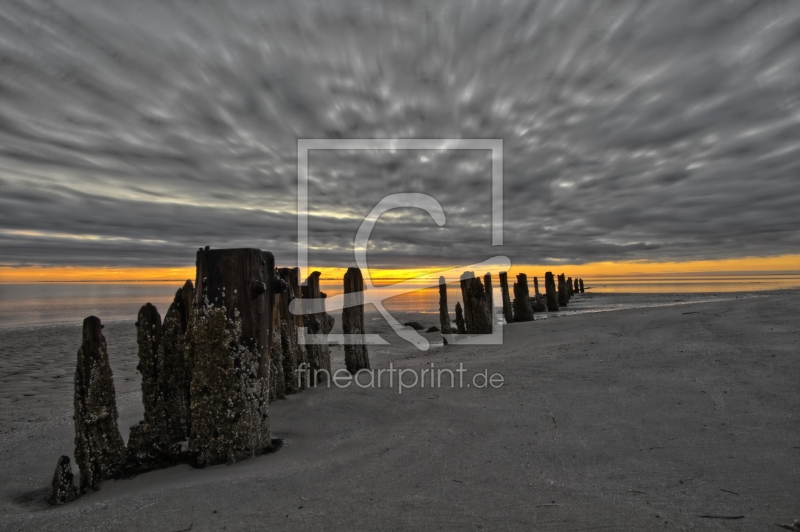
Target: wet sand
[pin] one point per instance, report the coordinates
(640, 418)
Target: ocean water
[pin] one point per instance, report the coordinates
(70, 303)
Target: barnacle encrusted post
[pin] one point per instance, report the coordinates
(522, 300)
(444, 315)
(172, 403)
(508, 313)
(230, 343)
(355, 351)
(318, 323)
(293, 352)
(99, 448)
(563, 298)
(476, 308)
(63, 485)
(550, 290)
(144, 435)
(277, 378)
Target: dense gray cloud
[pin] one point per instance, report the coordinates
(133, 132)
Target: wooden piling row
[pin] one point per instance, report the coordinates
(227, 346)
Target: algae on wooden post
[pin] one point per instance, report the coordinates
(230, 342)
(355, 351)
(145, 434)
(63, 485)
(508, 313)
(174, 372)
(99, 448)
(522, 301)
(550, 291)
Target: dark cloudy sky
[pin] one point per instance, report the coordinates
(132, 132)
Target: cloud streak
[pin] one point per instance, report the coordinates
(133, 132)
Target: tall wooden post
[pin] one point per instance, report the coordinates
(461, 327)
(230, 340)
(570, 293)
(476, 309)
(148, 336)
(174, 370)
(562, 291)
(277, 356)
(444, 314)
(355, 351)
(293, 352)
(99, 448)
(550, 291)
(508, 313)
(580, 281)
(487, 285)
(522, 301)
(319, 357)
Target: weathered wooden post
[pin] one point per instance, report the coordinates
(277, 377)
(522, 301)
(319, 357)
(562, 291)
(570, 293)
(444, 315)
(148, 335)
(508, 313)
(166, 375)
(99, 448)
(581, 284)
(550, 292)
(476, 308)
(575, 288)
(231, 346)
(487, 284)
(355, 351)
(174, 370)
(63, 487)
(293, 352)
(460, 325)
(539, 305)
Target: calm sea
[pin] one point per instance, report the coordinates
(70, 303)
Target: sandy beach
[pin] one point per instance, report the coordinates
(645, 418)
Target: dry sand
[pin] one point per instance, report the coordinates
(643, 419)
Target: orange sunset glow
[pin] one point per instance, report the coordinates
(750, 265)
